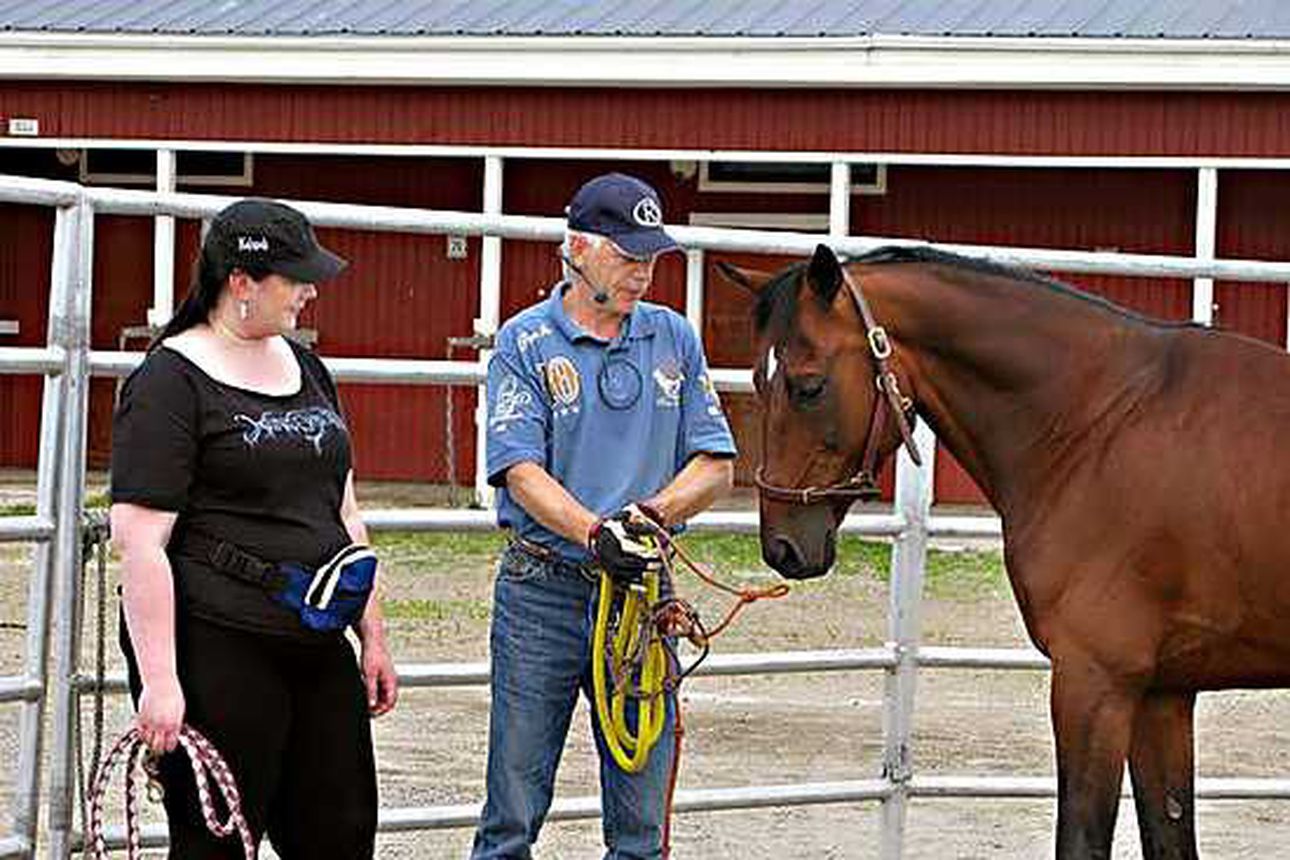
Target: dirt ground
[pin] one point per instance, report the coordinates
(745, 731)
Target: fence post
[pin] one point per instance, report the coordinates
(67, 584)
(486, 324)
(49, 475)
(913, 503)
(1202, 289)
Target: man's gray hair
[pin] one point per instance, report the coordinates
(566, 271)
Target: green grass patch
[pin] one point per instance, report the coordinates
(445, 546)
(949, 575)
(966, 574)
(436, 610)
(94, 501)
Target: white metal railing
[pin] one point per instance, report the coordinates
(54, 527)
(68, 364)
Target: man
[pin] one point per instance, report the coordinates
(600, 412)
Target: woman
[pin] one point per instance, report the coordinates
(230, 455)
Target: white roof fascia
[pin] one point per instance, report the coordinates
(871, 61)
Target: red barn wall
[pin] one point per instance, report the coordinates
(402, 296)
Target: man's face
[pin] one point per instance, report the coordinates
(625, 279)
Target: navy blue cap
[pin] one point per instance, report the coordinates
(623, 209)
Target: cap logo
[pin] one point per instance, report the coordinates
(647, 213)
(252, 243)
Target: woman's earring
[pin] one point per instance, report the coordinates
(243, 310)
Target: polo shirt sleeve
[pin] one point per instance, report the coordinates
(704, 429)
(519, 417)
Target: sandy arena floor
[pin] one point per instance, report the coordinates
(761, 730)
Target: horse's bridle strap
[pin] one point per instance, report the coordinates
(859, 486)
(863, 484)
(888, 384)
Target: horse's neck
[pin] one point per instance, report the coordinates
(1005, 373)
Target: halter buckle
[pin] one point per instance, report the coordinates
(879, 344)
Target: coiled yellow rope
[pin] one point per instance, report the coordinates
(630, 671)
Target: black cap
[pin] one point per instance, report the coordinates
(266, 234)
(623, 209)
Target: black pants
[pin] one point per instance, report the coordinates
(291, 720)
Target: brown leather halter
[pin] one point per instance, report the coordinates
(863, 484)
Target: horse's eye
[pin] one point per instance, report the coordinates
(805, 390)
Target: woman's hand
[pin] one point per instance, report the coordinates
(161, 714)
(379, 675)
(378, 669)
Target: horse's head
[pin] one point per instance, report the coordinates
(825, 425)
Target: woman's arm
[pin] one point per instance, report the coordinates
(378, 669)
(139, 536)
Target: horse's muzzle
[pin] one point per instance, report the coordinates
(784, 555)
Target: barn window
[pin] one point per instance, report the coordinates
(786, 177)
(139, 167)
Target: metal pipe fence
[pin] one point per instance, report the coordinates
(67, 363)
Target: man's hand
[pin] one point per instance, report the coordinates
(625, 545)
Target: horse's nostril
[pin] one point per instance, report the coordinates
(782, 555)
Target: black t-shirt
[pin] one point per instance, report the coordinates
(264, 472)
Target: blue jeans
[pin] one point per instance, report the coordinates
(543, 614)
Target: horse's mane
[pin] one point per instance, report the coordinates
(777, 302)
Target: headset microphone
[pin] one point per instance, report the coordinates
(598, 295)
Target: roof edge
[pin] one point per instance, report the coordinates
(847, 61)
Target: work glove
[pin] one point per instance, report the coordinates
(625, 545)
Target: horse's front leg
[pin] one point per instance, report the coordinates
(1092, 721)
(1161, 762)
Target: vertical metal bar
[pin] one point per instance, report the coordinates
(904, 624)
(67, 584)
(26, 808)
(1202, 289)
(694, 288)
(490, 304)
(840, 199)
(163, 246)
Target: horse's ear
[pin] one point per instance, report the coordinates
(751, 280)
(825, 273)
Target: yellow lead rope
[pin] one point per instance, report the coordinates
(636, 643)
(634, 667)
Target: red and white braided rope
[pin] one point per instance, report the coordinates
(206, 762)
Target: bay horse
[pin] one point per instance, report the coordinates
(1139, 468)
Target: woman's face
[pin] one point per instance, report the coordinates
(276, 302)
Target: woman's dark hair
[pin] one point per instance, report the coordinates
(210, 274)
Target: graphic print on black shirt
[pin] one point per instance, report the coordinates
(313, 424)
(264, 472)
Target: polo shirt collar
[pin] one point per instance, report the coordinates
(638, 325)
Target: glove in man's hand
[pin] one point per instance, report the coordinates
(624, 546)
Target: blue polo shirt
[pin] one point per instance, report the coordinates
(612, 421)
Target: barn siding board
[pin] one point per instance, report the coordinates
(1252, 215)
(403, 298)
(26, 243)
(1019, 122)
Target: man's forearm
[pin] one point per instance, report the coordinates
(549, 503)
(703, 480)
